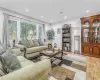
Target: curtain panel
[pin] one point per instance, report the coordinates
(5, 40)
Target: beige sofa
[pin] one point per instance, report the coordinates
(31, 50)
(29, 70)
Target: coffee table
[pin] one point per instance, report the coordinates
(52, 54)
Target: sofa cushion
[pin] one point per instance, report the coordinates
(40, 42)
(31, 43)
(36, 49)
(24, 62)
(9, 61)
(21, 59)
(25, 43)
(35, 41)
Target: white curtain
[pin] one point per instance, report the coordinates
(5, 40)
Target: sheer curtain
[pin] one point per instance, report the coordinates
(5, 40)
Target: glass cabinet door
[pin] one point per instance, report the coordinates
(86, 32)
(86, 37)
(96, 31)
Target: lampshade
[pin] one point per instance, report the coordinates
(14, 36)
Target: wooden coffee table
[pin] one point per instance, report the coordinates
(52, 54)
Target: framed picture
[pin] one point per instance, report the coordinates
(58, 30)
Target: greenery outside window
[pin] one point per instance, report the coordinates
(12, 30)
(28, 30)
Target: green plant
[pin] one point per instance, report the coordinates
(50, 34)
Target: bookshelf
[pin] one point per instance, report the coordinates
(66, 37)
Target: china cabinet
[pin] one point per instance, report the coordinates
(66, 37)
(90, 35)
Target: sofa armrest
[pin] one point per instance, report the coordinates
(20, 46)
(22, 49)
(32, 72)
(17, 52)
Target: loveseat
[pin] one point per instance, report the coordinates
(29, 70)
(32, 48)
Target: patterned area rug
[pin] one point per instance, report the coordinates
(61, 73)
(77, 66)
(67, 69)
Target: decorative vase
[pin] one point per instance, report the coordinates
(49, 46)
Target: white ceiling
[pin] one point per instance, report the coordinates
(51, 9)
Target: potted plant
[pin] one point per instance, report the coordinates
(50, 37)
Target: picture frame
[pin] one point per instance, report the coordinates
(58, 30)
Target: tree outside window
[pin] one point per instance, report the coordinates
(28, 30)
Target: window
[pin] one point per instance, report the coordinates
(12, 29)
(28, 30)
(20, 29)
(41, 35)
(41, 32)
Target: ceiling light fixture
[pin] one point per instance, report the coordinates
(65, 17)
(51, 20)
(27, 10)
(87, 11)
(41, 16)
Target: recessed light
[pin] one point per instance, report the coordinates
(87, 11)
(51, 20)
(27, 10)
(41, 16)
(65, 17)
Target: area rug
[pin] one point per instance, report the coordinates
(77, 66)
(61, 73)
(70, 68)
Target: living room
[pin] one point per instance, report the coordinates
(49, 40)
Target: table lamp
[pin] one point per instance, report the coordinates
(14, 38)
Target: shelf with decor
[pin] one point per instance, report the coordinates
(66, 37)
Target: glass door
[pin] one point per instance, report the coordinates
(85, 32)
(96, 31)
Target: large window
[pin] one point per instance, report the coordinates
(12, 30)
(41, 32)
(20, 29)
(28, 30)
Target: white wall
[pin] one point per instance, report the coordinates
(75, 30)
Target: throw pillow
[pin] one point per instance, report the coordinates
(10, 62)
(40, 42)
(25, 43)
(35, 41)
(31, 43)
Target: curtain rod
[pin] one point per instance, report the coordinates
(23, 18)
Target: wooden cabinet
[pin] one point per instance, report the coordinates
(90, 35)
(66, 37)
